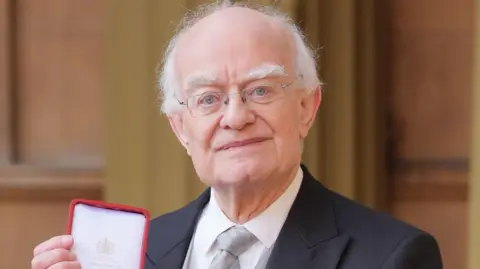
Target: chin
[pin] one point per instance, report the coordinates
(242, 171)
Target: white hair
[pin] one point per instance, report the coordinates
(305, 61)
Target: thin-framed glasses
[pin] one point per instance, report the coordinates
(260, 93)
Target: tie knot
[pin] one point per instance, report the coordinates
(236, 240)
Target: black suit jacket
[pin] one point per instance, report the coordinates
(322, 231)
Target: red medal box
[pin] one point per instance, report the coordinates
(108, 235)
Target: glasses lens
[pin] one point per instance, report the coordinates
(205, 103)
(210, 102)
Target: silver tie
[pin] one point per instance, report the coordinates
(231, 244)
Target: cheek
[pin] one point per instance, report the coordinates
(287, 121)
(284, 131)
(200, 133)
(286, 126)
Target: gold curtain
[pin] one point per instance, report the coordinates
(345, 148)
(147, 167)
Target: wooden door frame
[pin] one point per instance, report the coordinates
(474, 191)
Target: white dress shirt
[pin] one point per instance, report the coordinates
(265, 227)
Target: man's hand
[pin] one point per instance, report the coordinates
(54, 254)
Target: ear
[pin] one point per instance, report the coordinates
(309, 106)
(176, 122)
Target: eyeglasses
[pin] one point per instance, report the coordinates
(261, 93)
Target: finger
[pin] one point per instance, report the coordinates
(46, 259)
(62, 241)
(66, 265)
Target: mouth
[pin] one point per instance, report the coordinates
(242, 143)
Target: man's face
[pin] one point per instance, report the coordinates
(241, 142)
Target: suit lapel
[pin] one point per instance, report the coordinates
(294, 254)
(175, 258)
(309, 237)
(169, 243)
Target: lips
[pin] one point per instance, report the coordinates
(241, 143)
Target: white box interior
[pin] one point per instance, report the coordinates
(105, 238)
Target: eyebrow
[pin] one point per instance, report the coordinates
(264, 71)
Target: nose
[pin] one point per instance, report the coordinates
(236, 114)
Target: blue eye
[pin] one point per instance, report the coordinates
(260, 91)
(208, 99)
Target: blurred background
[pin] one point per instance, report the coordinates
(398, 130)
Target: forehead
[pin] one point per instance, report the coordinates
(229, 47)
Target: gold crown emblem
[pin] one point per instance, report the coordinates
(105, 246)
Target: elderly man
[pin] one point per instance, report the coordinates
(241, 91)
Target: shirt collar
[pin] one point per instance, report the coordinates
(213, 223)
(265, 226)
